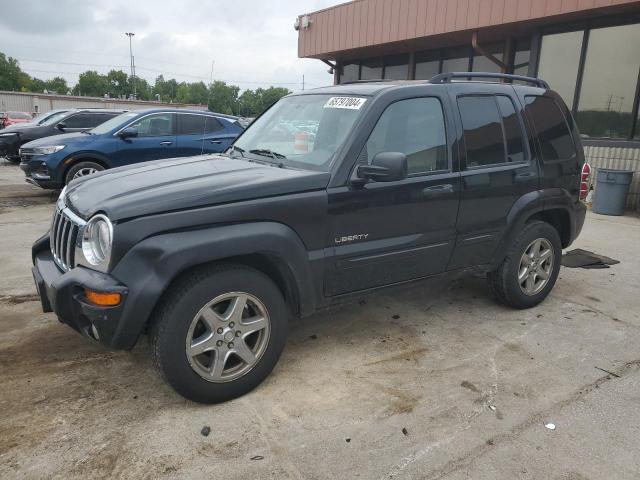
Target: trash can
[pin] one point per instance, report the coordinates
(612, 187)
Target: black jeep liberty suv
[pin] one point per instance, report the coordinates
(331, 192)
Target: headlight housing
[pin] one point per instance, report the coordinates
(48, 150)
(97, 240)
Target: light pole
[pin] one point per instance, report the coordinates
(133, 72)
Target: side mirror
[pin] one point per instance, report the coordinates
(385, 167)
(61, 126)
(128, 133)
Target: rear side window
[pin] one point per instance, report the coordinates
(95, 119)
(213, 125)
(512, 129)
(190, 124)
(416, 128)
(492, 130)
(553, 133)
(483, 136)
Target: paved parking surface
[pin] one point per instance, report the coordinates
(435, 381)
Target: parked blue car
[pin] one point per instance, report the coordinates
(132, 137)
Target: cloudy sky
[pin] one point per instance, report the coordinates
(252, 42)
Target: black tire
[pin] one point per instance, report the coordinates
(186, 297)
(14, 160)
(84, 165)
(504, 280)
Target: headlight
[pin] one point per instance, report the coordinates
(47, 150)
(97, 239)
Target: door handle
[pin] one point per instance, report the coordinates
(166, 142)
(524, 176)
(437, 190)
(216, 141)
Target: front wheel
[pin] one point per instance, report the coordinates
(82, 169)
(531, 267)
(219, 332)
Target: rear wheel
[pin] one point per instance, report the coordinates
(82, 169)
(531, 267)
(219, 332)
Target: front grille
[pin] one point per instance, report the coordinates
(63, 236)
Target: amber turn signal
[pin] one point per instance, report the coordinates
(103, 299)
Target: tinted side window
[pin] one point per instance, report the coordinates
(190, 124)
(416, 128)
(482, 124)
(157, 125)
(79, 120)
(551, 127)
(213, 125)
(512, 129)
(95, 119)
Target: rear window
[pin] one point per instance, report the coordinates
(553, 132)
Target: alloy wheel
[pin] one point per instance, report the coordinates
(227, 337)
(536, 266)
(83, 172)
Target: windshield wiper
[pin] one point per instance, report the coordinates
(265, 152)
(86, 131)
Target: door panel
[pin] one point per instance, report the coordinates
(156, 140)
(496, 170)
(386, 232)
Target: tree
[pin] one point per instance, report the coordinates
(118, 83)
(55, 85)
(223, 98)
(91, 84)
(11, 76)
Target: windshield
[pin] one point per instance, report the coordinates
(115, 122)
(53, 119)
(301, 131)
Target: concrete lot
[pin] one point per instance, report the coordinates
(433, 382)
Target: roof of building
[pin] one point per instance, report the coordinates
(343, 31)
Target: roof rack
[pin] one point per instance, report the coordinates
(373, 80)
(447, 77)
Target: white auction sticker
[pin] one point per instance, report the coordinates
(352, 103)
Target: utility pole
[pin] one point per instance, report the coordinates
(303, 81)
(133, 68)
(213, 62)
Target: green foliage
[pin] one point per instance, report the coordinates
(219, 97)
(91, 84)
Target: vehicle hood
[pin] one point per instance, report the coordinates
(20, 128)
(75, 139)
(184, 183)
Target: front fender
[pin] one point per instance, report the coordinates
(152, 264)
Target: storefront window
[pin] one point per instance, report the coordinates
(456, 60)
(396, 68)
(371, 69)
(350, 72)
(483, 64)
(522, 57)
(427, 65)
(559, 60)
(609, 82)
